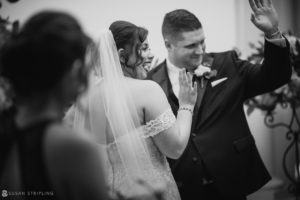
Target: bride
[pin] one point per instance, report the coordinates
(140, 128)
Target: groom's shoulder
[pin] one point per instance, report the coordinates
(221, 54)
(229, 53)
(156, 69)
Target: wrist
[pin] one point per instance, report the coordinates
(186, 107)
(275, 34)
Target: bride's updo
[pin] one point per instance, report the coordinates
(129, 37)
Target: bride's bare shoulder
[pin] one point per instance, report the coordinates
(146, 86)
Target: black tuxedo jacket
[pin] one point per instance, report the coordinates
(221, 140)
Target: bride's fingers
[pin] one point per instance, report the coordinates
(180, 77)
(194, 89)
(184, 78)
(190, 77)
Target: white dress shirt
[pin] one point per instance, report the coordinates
(173, 73)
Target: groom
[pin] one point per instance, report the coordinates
(221, 160)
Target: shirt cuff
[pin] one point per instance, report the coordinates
(278, 41)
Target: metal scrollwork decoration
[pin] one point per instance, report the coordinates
(288, 97)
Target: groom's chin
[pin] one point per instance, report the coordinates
(193, 67)
(195, 63)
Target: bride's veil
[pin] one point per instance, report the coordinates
(112, 117)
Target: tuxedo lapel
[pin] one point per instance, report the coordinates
(162, 78)
(208, 61)
(213, 95)
(201, 87)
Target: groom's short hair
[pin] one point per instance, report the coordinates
(178, 21)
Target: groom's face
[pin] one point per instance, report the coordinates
(187, 49)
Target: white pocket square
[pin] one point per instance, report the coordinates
(216, 82)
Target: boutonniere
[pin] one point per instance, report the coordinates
(204, 70)
(205, 73)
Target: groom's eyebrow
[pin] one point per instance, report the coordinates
(192, 44)
(195, 43)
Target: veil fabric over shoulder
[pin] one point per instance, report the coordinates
(110, 115)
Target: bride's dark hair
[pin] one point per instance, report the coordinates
(129, 35)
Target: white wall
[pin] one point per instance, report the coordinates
(216, 16)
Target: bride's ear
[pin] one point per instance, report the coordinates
(121, 53)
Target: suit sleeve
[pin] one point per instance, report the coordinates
(274, 72)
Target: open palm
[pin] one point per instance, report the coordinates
(264, 16)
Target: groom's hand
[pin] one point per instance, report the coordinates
(265, 17)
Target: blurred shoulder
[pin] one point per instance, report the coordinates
(73, 161)
(62, 139)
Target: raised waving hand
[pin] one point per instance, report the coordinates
(264, 16)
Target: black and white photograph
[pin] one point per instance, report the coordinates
(150, 100)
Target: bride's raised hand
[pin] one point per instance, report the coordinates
(188, 89)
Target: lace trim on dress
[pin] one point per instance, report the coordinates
(163, 122)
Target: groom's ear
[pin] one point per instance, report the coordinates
(121, 53)
(167, 43)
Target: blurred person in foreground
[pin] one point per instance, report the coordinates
(40, 156)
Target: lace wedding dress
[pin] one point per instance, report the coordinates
(107, 111)
(161, 175)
